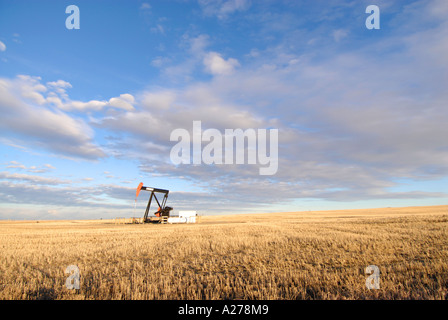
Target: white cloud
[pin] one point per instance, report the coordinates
(124, 101)
(159, 62)
(222, 9)
(25, 117)
(195, 52)
(158, 100)
(145, 6)
(59, 85)
(158, 29)
(55, 93)
(198, 44)
(231, 6)
(92, 105)
(32, 178)
(30, 88)
(215, 64)
(66, 198)
(35, 169)
(339, 34)
(16, 38)
(254, 53)
(16, 164)
(2, 46)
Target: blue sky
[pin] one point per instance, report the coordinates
(87, 113)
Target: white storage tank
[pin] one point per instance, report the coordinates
(184, 217)
(190, 216)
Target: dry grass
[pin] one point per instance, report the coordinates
(307, 255)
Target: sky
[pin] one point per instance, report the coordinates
(87, 113)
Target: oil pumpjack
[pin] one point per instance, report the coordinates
(163, 212)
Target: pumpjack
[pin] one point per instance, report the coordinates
(163, 212)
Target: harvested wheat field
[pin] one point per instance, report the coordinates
(303, 255)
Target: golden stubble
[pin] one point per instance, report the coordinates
(301, 255)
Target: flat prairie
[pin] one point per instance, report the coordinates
(290, 255)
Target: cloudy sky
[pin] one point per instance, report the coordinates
(86, 114)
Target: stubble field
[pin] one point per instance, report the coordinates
(303, 255)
